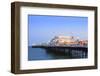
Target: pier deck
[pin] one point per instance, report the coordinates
(64, 47)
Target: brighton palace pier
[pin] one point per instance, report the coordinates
(66, 45)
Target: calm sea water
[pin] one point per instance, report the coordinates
(44, 54)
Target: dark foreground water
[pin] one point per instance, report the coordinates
(45, 54)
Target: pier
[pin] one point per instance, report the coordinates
(74, 51)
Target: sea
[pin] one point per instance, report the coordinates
(45, 54)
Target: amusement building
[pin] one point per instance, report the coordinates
(67, 41)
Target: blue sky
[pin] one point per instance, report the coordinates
(42, 29)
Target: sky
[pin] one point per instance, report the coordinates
(42, 28)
